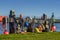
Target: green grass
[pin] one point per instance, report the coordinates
(32, 36)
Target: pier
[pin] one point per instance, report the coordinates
(56, 20)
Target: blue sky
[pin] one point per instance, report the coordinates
(30, 7)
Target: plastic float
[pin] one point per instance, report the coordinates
(26, 24)
(5, 32)
(53, 28)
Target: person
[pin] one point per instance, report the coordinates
(39, 28)
(34, 24)
(12, 20)
(4, 22)
(43, 27)
(53, 28)
(21, 22)
(52, 22)
(44, 17)
(46, 24)
(26, 24)
(17, 26)
(29, 28)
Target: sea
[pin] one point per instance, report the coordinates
(7, 27)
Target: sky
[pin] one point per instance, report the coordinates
(30, 7)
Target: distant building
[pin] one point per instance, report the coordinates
(1, 17)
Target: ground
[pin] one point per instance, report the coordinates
(32, 36)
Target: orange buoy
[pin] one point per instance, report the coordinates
(5, 32)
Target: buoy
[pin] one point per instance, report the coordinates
(5, 32)
(26, 24)
(53, 28)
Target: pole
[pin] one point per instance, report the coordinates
(6, 23)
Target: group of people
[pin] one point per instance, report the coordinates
(19, 25)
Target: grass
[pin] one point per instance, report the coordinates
(32, 36)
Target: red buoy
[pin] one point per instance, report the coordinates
(5, 32)
(53, 28)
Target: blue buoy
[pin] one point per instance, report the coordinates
(26, 24)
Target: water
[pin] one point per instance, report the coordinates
(2, 29)
(57, 27)
(56, 24)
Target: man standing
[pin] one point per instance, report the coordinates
(21, 22)
(11, 22)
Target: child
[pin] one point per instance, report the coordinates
(26, 24)
(18, 27)
(29, 28)
(39, 28)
